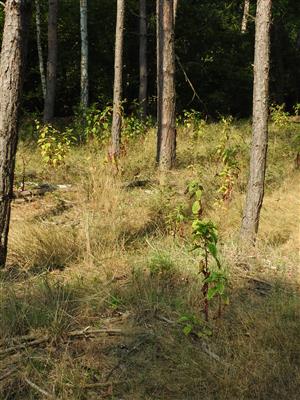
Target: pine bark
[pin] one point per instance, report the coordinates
(245, 16)
(255, 190)
(117, 101)
(159, 52)
(84, 54)
(39, 46)
(143, 60)
(166, 124)
(52, 61)
(13, 52)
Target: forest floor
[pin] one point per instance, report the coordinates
(102, 295)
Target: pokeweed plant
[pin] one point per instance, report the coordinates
(205, 239)
(195, 190)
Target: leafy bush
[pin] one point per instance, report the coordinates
(193, 119)
(54, 144)
(279, 116)
(93, 123)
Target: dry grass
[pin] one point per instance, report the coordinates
(104, 255)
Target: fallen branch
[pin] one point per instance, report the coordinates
(21, 346)
(7, 374)
(96, 384)
(94, 332)
(30, 341)
(37, 388)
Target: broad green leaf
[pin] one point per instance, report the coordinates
(196, 207)
(187, 329)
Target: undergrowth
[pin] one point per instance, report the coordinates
(114, 251)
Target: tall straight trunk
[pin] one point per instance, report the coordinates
(52, 61)
(175, 9)
(167, 154)
(159, 52)
(143, 60)
(12, 61)
(255, 191)
(84, 54)
(39, 46)
(117, 101)
(245, 16)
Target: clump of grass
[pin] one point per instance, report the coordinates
(38, 247)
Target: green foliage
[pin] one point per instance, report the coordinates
(133, 126)
(217, 281)
(193, 120)
(193, 325)
(227, 153)
(93, 123)
(205, 239)
(279, 116)
(175, 220)
(296, 109)
(54, 144)
(195, 190)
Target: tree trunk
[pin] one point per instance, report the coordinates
(255, 191)
(167, 120)
(245, 16)
(39, 46)
(117, 101)
(159, 51)
(11, 71)
(52, 61)
(84, 54)
(175, 9)
(143, 60)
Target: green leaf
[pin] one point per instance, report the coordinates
(212, 248)
(198, 194)
(187, 329)
(196, 207)
(212, 291)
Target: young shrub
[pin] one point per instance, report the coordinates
(279, 116)
(54, 144)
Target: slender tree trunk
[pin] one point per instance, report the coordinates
(245, 16)
(39, 46)
(159, 52)
(255, 191)
(143, 60)
(175, 9)
(84, 54)
(167, 154)
(52, 61)
(12, 61)
(117, 106)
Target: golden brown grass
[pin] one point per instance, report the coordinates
(104, 255)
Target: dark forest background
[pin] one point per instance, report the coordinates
(210, 49)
